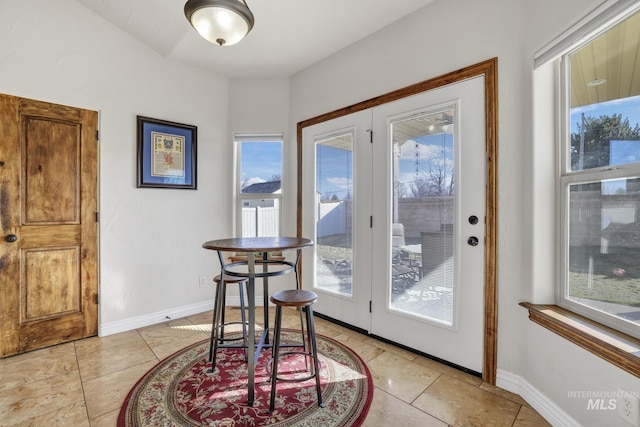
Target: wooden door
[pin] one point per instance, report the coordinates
(48, 224)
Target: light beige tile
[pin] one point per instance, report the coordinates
(37, 365)
(291, 319)
(387, 410)
(204, 318)
(97, 361)
(391, 348)
(97, 343)
(527, 417)
(170, 330)
(42, 388)
(166, 338)
(366, 351)
(107, 393)
(460, 404)
(323, 329)
(445, 369)
(69, 416)
(332, 329)
(110, 419)
(166, 349)
(504, 393)
(399, 377)
(37, 398)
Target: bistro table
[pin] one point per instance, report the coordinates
(270, 268)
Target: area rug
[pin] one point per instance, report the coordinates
(179, 391)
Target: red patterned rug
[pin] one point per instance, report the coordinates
(179, 392)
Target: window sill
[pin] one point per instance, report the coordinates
(615, 347)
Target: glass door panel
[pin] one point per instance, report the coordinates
(336, 210)
(334, 207)
(423, 215)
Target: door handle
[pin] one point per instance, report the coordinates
(10, 238)
(473, 241)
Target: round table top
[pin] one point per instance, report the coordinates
(257, 244)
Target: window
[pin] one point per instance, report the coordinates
(259, 185)
(600, 177)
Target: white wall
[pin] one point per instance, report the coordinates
(445, 36)
(150, 239)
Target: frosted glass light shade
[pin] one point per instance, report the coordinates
(223, 22)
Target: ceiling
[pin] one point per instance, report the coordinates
(610, 60)
(288, 35)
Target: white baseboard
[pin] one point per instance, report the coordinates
(131, 323)
(538, 401)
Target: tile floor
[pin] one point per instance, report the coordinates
(84, 383)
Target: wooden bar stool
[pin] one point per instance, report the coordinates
(303, 300)
(219, 324)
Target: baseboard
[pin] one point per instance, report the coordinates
(538, 401)
(131, 323)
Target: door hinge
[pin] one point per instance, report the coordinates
(97, 298)
(97, 135)
(370, 306)
(371, 221)
(97, 216)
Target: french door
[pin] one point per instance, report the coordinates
(428, 275)
(394, 197)
(337, 180)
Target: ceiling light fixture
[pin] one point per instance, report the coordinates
(223, 22)
(596, 82)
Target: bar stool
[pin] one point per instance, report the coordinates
(218, 325)
(303, 300)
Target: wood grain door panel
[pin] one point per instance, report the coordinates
(48, 200)
(54, 271)
(50, 171)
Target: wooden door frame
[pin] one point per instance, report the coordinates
(488, 69)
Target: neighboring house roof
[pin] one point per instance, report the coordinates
(268, 187)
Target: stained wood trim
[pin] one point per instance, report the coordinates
(488, 69)
(613, 346)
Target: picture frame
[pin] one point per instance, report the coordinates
(166, 154)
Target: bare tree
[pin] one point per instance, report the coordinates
(435, 180)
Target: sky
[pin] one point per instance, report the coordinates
(334, 166)
(628, 107)
(263, 160)
(334, 171)
(260, 161)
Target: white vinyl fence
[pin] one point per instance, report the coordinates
(260, 222)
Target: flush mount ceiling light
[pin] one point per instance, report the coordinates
(596, 82)
(223, 22)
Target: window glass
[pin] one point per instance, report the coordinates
(600, 184)
(260, 188)
(604, 247)
(605, 99)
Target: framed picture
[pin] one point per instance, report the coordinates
(166, 154)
